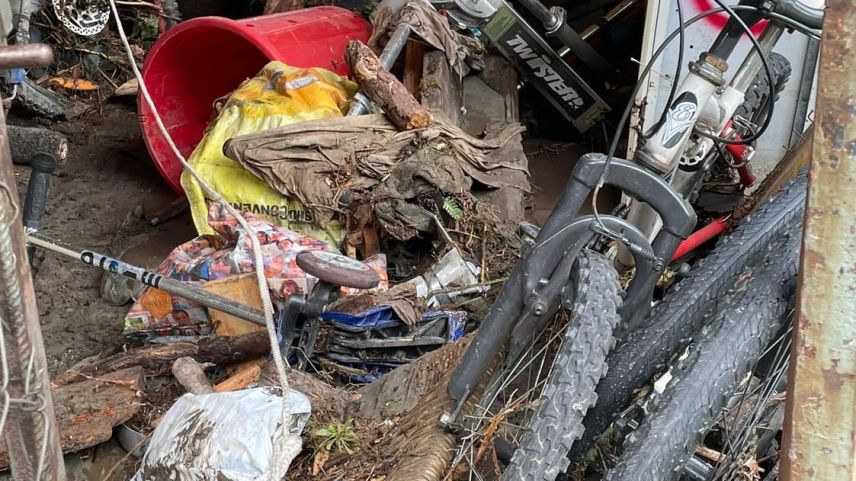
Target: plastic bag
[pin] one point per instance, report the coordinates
(279, 95)
(216, 436)
(213, 257)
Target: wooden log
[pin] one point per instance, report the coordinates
(191, 375)
(87, 411)
(384, 89)
(158, 359)
(26, 142)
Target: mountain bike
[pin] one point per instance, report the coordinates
(543, 375)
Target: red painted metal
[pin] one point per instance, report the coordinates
(699, 237)
(740, 154)
(203, 59)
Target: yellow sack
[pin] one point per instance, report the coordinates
(279, 95)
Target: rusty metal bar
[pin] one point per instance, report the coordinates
(27, 416)
(820, 424)
(25, 56)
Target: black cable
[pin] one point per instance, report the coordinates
(675, 79)
(769, 72)
(645, 71)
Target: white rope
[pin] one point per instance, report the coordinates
(267, 305)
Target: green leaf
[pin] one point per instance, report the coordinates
(453, 208)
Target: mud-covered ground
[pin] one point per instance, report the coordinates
(107, 179)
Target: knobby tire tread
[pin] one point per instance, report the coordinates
(577, 368)
(682, 313)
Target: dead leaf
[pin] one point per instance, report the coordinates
(128, 88)
(81, 85)
(318, 462)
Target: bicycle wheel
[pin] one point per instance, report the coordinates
(671, 323)
(747, 320)
(552, 404)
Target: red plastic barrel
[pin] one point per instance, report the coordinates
(203, 59)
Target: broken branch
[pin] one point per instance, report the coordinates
(385, 89)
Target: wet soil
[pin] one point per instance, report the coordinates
(106, 182)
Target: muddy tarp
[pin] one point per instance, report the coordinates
(333, 165)
(424, 20)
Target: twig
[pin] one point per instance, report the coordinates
(125, 3)
(107, 78)
(443, 230)
(482, 273)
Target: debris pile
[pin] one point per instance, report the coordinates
(382, 238)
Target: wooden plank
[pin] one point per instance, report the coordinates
(499, 75)
(244, 289)
(413, 61)
(797, 158)
(440, 89)
(87, 411)
(242, 378)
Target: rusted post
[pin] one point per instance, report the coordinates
(27, 417)
(820, 425)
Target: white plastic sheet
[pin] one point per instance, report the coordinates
(220, 436)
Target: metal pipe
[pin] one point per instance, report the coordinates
(393, 48)
(802, 13)
(24, 56)
(752, 64)
(31, 432)
(172, 286)
(819, 441)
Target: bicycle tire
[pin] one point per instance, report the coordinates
(672, 322)
(38, 100)
(577, 368)
(758, 93)
(749, 317)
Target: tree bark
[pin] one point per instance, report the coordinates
(384, 89)
(88, 410)
(158, 359)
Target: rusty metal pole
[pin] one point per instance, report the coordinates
(820, 425)
(27, 417)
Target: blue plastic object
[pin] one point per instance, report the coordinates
(16, 76)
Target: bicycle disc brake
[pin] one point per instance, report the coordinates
(83, 17)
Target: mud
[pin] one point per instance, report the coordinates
(107, 181)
